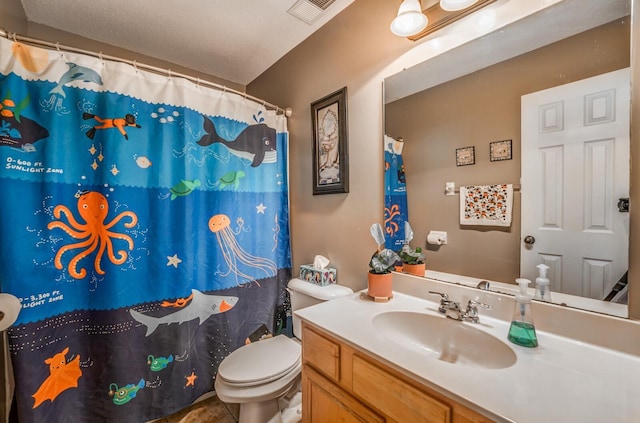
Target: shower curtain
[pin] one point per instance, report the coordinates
(395, 193)
(144, 229)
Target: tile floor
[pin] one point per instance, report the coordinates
(211, 410)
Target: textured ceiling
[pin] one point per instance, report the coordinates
(236, 40)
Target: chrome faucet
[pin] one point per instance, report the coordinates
(452, 310)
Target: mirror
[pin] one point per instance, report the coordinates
(470, 96)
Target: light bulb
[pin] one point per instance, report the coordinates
(410, 19)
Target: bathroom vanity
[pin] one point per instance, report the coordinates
(341, 383)
(402, 361)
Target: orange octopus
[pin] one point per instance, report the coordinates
(95, 234)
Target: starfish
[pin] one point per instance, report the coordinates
(173, 261)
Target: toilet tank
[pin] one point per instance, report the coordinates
(305, 294)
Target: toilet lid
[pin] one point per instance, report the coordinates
(261, 361)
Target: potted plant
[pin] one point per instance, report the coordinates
(383, 260)
(413, 259)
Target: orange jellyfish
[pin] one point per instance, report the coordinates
(234, 255)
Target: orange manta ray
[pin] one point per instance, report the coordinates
(63, 376)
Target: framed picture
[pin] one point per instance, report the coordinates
(465, 156)
(330, 144)
(500, 150)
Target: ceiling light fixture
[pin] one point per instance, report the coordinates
(453, 5)
(410, 19)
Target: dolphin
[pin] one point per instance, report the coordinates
(201, 307)
(76, 73)
(255, 142)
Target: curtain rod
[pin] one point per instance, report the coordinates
(12, 36)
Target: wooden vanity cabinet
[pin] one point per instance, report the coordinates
(342, 384)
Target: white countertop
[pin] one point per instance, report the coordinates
(562, 380)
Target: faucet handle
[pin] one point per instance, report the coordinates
(443, 296)
(444, 301)
(471, 313)
(474, 303)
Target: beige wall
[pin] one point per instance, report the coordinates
(473, 111)
(356, 50)
(352, 50)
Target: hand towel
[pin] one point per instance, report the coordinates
(486, 205)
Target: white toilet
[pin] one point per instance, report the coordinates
(257, 375)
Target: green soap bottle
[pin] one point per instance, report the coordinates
(522, 332)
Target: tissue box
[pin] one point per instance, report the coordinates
(321, 277)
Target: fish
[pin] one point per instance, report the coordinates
(231, 178)
(76, 73)
(201, 307)
(256, 142)
(143, 162)
(126, 393)
(184, 187)
(158, 363)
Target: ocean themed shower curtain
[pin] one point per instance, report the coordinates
(144, 229)
(395, 193)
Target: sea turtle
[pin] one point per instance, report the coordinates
(184, 187)
(231, 178)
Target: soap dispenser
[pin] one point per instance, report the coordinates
(543, 291)
(522, 332)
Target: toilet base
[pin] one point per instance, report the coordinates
(271, 411)
(265, 411)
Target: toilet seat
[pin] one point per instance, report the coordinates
(261, 362)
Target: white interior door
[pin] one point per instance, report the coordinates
(575, 168)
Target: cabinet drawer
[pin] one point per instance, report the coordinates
(394, 397)
(321, 353)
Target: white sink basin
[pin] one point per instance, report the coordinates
(444, 339)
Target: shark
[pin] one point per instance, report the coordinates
(201, 307)
(256, 143)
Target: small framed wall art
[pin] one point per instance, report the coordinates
(500, 150)
(465, 156)
(330, 144)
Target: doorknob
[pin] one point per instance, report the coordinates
(529, 240)
(623, 205)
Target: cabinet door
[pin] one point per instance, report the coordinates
(396, 398)
(324, 402)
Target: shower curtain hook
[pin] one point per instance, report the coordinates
(224, 89)
(12, 36)
(58, 48)
(100, 57)
(135, 66)
(169, 72)
(198, 82)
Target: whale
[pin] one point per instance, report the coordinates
(256, 142)
(201, 307)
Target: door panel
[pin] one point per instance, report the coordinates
(575, 167)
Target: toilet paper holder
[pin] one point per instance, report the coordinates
(437, 238)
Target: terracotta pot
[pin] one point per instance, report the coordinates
(380, 285)
(414, 269)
